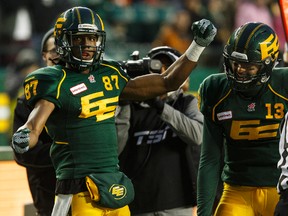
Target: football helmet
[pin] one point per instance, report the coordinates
(79, 20)
(254, 43)
(167, 55)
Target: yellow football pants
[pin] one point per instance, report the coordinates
(82, 205)
(248, 201)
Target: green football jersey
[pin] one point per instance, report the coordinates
(82, 125)
(246, 129)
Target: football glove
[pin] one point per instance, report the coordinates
(20, 140)
(204, 32)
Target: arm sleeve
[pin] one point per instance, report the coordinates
(189, 125)
(209, 168)
(122, 125)
(210, 164)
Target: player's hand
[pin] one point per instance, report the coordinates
(20, 140)
(204, 32)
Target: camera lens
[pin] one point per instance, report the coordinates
(155, 65)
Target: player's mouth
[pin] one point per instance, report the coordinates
(87, 55)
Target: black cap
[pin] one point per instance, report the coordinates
(171, 53)
(167, 55)
(47, 35)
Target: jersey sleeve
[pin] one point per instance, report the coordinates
(279, 80)
(43, 84)
(204, 98)
(211, 149)
(117, 67)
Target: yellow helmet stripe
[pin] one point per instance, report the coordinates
(101, 22)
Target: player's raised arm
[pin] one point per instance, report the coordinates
(149, 86)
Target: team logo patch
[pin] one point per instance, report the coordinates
(251, 107)
(118, 191)
(78, 88)
(224, 115)
(91, 79)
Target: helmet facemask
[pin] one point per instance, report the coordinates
(247, 82)
(74, 53)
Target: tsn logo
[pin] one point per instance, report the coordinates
(151, 137)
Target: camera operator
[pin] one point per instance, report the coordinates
(159, 144)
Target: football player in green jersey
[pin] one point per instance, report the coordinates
(242, 111)
(77, 103)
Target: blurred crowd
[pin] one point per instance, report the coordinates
(130, 25)
(137, 22)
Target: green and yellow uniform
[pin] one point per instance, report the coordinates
(247, 130)
(82, 124)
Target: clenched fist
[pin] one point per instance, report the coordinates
(20, 140)
(204, 32)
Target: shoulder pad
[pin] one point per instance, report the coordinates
(42, 84)
(49, 73)
(116, 65)
(211, 90)
(278, 81)
(112, 63)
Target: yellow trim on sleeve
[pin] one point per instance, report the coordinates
(281, 96)
(61, 143)
(60, 83)
(116, 70)
(30, 78)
